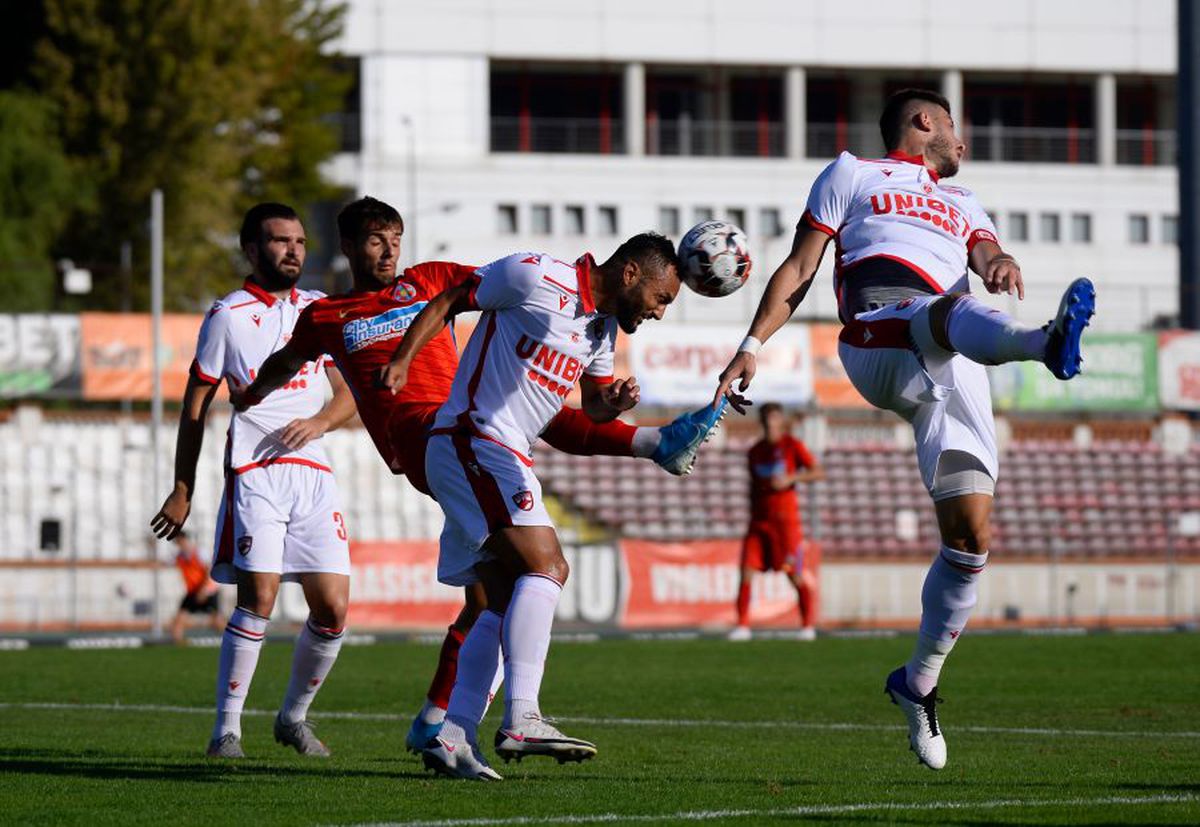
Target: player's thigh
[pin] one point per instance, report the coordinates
(260, 511)
(328, 597)
(529, 550)
(317, 538)
(754, 549)
(890, 378)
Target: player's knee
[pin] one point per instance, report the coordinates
(330, 612)
(558, 568)
(939, 318)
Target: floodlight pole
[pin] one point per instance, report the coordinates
(156, 400)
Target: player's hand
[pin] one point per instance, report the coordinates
(393, 376)
(622, 395)
(169, 520)
(741, 367)
(1003, 275)
(300, 432)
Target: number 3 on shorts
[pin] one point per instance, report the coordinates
(340, 522)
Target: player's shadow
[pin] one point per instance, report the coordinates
(100, 765)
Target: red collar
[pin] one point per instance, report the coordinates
(255, 290)
(583, 275)
(897, 155)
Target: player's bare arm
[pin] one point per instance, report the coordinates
(999, 270)
(788, 286)
(169, 520)
(604, 403)
(337, 412)
(429, 322)
(279, 368)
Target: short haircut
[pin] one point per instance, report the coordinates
(256, 215)
(891, 122)
(650, 250)
(766, 410)
(364, 215)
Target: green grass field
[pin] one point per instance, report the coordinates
(1041, 730)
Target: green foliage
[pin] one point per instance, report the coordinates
(220, 103)
(38, 192)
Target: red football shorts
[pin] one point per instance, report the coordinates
(408, 432)
(772, 545)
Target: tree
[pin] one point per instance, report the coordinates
(220, 103)
(38, 192)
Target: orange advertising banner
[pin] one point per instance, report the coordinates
(116, 354)
(695, 584)
(831, 386)
(395, 585)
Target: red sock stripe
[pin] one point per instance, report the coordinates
(246, 633)
(962, 566)
(483, 484)
(324, 631)
(553, 580)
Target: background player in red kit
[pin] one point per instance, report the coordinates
(202, 592)
(360, 330)
(775, 539)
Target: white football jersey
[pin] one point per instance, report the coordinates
(539, 333)
(896, 208)
(238, 334)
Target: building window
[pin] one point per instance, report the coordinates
(539, 219)
(736, 215)
(1139, 229)
(575, 225)
(1018, 226)
(701, 214)
(668, 220)
(1170, 229)
(1048, 227)
(770, 225)
(553, 108)
(1081, 228)
(506, 219)
(608, 220)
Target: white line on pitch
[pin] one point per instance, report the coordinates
(637, 722)
(793, 812)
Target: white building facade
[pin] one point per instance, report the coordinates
(503, 125)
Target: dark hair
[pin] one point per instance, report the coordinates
(891, 122)
(766, 410)
(360, 217)
(650, 250)
(256, 215)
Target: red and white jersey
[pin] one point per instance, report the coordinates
(238, 334)
(539, 333)
(896, 208)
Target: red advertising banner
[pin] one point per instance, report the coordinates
(830, 383)
(116, 354)
(695, 584)
(395, 585)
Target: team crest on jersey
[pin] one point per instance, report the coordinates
(244, 543)
(404, 292)
(361, 333)
(928, 188)
(523, 500)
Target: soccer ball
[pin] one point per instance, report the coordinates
(715, 258)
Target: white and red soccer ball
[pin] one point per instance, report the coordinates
(714, 258)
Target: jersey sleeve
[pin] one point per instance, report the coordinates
(600, 370)
(830, 197)
(209, 365)
(306, 335)
(507, 282)
(802, 456)
(982, 228)
(439, 276)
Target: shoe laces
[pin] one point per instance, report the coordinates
(929, 705)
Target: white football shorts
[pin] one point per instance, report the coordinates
(482, 486)
(284, 518)
(892, 360)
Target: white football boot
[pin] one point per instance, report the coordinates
(534, 735)
(924, 734)
(457, 758)
(739, 634)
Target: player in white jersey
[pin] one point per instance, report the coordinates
(546, 325)
(915, 342)
(280, 518)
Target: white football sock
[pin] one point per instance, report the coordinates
(477, 660)
(317, 648)
(240, 645)
(947, 598)
(645, 441)
(526, 642)
(991, 337)
(431, 713)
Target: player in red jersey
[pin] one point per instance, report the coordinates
(360, 331)
(774, 539)
(201, 592)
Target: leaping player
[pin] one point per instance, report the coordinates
(915, 341)
(360, 330)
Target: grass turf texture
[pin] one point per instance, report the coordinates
(73, 765)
